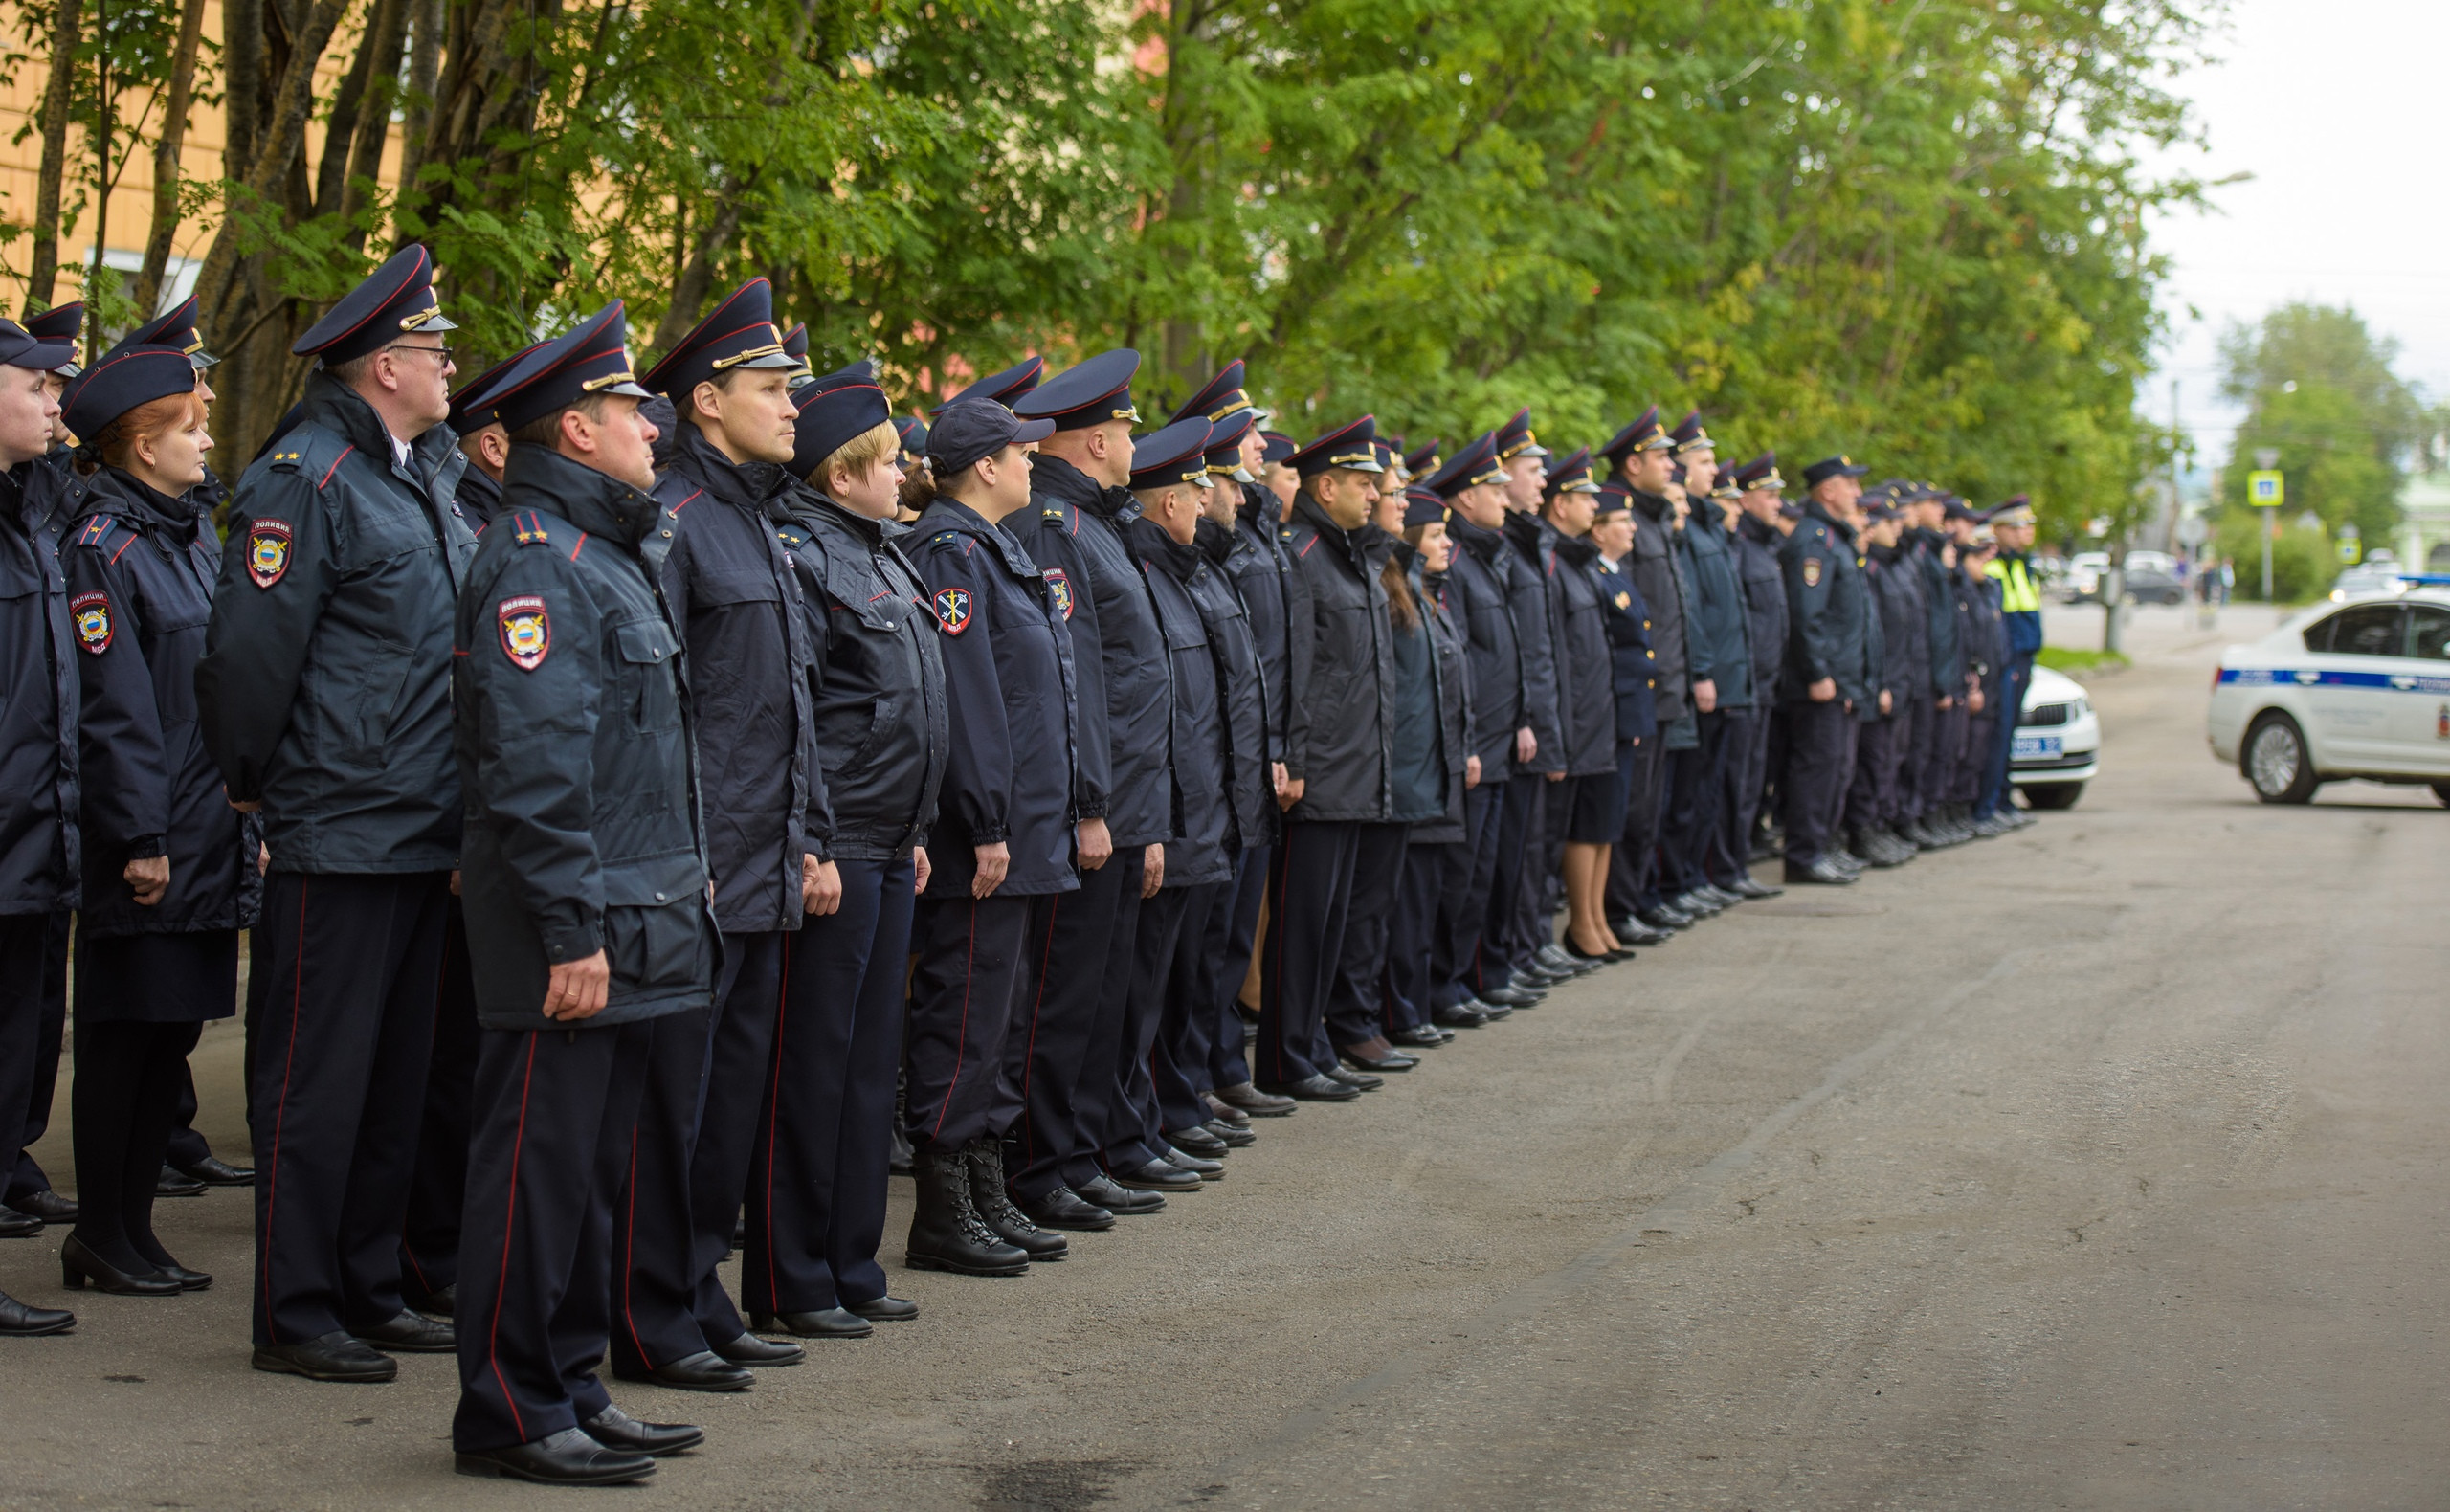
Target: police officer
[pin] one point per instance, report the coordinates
(586, 881)
(1828, 675)
(1004, 838)
(1759, 525)
(1719, 667)
(1342, 759)
(485, 443)
(795, 347)
(816, 1192)
(1643, 463)
(1530, 953)
(323, 697)
(1633, 666)
(2012, 527)
(1586, 821)
(1934, 558)
(59, 326)
(1991, 653)
(38, 810)
(733, 594)
(1883, 770)
(176, 327)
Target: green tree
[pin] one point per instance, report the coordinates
(2318, 389)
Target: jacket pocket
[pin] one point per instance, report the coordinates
(654, 927)
(647, 650)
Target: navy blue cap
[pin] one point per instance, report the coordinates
(1005, 388)
(1614, 499)
(1221, 399)
(737, 333)
(466, 419)
(1881, 508)
(795, 347)
(119, 382)
(831, 415)
(393, 301)
(1573, 475)
(19, 350)
(590, 358)
(1953, 506)
(913, 431)
(967, 430)
(1423, 460)
(1086, 393)
(61, 326)
(1424, 507)
(862, 371)
(1688, 435)
(1762, 472)
(1475, 461)
(1514, 438)
(1829, 467)
(1225, 442)
(1389, 455)
(1348, 445)
(1280, 447)
(174, 326)
(1178, 453)
(1643, 435)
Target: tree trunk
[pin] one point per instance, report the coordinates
(165, 160)
(45, 271)
(341, 132)
(374, 116)
(281, 138)
(425, 68)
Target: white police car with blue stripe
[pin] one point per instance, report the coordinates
(2342, 689)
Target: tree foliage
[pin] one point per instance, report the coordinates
(2318, 389)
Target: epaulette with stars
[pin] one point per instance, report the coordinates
(105, 532)
(944, 538)
(528, 529)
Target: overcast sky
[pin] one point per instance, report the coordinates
(2337, 109)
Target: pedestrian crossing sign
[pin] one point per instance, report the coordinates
(2263, 490)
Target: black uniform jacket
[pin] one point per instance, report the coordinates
(738, 605)
(1633, 666)
(1251, 743)
(1342, 756)
(1717, 629)
(1904, 623)
(1451, 665)
(1986, 637)
(40, 861)
(1535, 629)
(1202, 824)
(1073, 530)
(1585, 674)
(1940, 611)
(141, 569)
(1651, 565)
(576, 744)
(478, 499)
(1277, 596)
(1755, 546)
(1829, 612)
(882, 731)
(1484, 581)
(1008, 680)
(324, 691)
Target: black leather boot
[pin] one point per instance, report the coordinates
(995, 1204)
(946, 1232)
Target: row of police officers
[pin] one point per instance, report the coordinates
(653, 797)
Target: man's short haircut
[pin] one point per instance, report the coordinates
(547, 431)
(353, 372)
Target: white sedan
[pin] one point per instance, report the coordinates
(2058, 741)
(2353, 689)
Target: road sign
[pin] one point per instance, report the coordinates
(2263, 490)
(2352, 544)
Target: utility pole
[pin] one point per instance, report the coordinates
(2263, 489)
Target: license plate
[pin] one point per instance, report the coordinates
(2033, 747)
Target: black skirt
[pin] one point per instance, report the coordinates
(181, 978)
(1595, 809)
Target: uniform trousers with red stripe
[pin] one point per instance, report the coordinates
(740, 1056)
(557, 1111)
(825, 1137)
(341, 1017)
(963, 995)
(653, 1273)
(430, 1232)
(1310, 891)
(1183, 1064)
(1133, 1135)
(1075, 968)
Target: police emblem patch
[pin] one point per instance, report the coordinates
(1624, 601)
(92, 613)
(1061, 587)
(267, 551)
(951, 607)
(1812, 571)
(526, 631)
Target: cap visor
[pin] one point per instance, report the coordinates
(204, 360)
(770, 360)
(436, 323)
(1856, 471)
(632, 391)
(41, 357)
(1033, 430)
(1535, 449)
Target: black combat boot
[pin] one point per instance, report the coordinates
(995, 1204)
(945, 1233)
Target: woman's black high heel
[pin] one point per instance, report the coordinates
(1576, 951)
(80, 1266)
(188, 1281)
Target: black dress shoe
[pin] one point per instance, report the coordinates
(171, 1184)
(1511, 997)
(16, 1225)
(1066, 1208)
(1745, 887)
(1316, 1089)
(750, 1350)
(1422, 1036)
(47, 1204)
(885, 1309)
(1197, 1142)
(188, 1281)
(1235, 1137)
(1249, 1098)
(1358, 1081)
(17, 1320)
(1664, 917)
(1459, 1016)
(1632, 931)
(1101, 1192)
(1692, 901)
(615, 1429)
(1393, 1061)
(1227, 1113)
(567, 1458)
(439, 1304)
(702, 1371)
(80, 1266)
(214, 1172)
(834, 1322)
(1822, 873)
(1556, 958)
(1492, 1011)
(1157, 1175)
(1200, 1165)
(334, 1357)
(409, 1334)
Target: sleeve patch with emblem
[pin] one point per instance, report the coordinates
(526, 631)
(92, 615)
(1061, 586)
(1812, 571)
(952, 610)
(267, 551)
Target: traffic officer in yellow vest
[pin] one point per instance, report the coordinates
(1995, 813)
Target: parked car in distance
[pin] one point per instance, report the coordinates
(2084, 580)
(2058, 741)
(2353, 689)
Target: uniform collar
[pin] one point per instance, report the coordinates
(750, 485)
(132, 498)
(540, 478)
(949, 513)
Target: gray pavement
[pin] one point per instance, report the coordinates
(2099, 1165)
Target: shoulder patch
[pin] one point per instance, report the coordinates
(1061, 586)
(1812, 571)
(91, 614)
(267, 551)
(952, 609)
(527, 631)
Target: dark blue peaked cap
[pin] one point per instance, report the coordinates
(738, 333)
(1643, 435)
(393, 301)
(174, 326)
(1225, 442)
(467, 419)
(1514, 438)
(590, 358)
(1005, 388)
(1475, 461)
(20, 350)
(1178, 453)
(119, 382)
(1223, 398)
(1352, 445)
(914, 434)
(833, 412)
(59, 326)
(1086, 393)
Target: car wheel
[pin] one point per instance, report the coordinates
(2442, 790)
(2276, 761)
(2053, 794)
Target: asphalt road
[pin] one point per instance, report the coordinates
(2100, 1167)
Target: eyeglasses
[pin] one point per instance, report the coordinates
(443, 352)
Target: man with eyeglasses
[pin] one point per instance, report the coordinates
(324, 696)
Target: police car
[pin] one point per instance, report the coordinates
(2358, 688)
(2057, 742)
